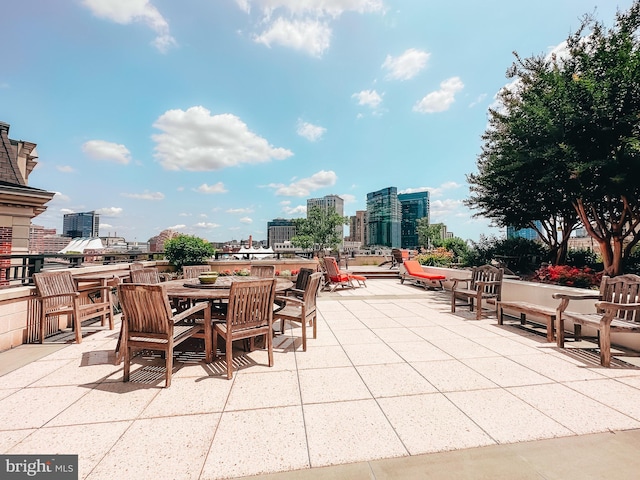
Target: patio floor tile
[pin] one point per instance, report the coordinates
(371, 354)
(346, 432)
(613, 393)
(452, 375)
(431, 423)
(252, 442)
(568, 408)
(504, 371)
(421, 351)
(339, 384)
(264, 390)
(506, 418)
(393, 380)
(179, 444)
(322, 357)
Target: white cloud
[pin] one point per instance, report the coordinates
(103, 150)
(65, 169)
(246, 220)
(407, 65)
(348, 198)
(309, 131)
(304, 25)
(216, 188)
(60, 197)
(297, 210)
(105, 225)
(305, 186)
(368, 97)
(195, 140)
(440, 100)
(145, 196)
(240, 211)
(125, 12)
(442, 209)
(109, 211)
(67, 210)
(332, 8)
(180, 226)
(433, 191)
(309, 36)
(206, 225)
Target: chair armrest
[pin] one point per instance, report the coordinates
(459, 280)
(57, 295)
(190, 311)
(617, 306)
(290, 300)
(295, 291)
(566, 297)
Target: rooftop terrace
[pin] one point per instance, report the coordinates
(394, 386)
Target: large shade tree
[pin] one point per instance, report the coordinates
(564, 148)
(319, 230)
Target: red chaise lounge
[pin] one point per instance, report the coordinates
(413, 271)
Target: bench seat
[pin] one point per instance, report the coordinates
(526, 308)
(413, 271)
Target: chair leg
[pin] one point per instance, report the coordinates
(314, 319)
(304, 333)
(605, 347)
(229, 357)
(169, 366)
(127, 364)
(269, 342)
(43, 319)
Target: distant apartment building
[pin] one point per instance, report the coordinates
(358, 228)
(45, 240)
(384, 215)
(414, 207)
(279, 232)
(527, 233)
(81, 225)
(327, 202)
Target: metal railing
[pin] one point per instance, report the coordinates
(18, 270)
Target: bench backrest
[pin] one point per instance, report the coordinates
(622, 289)
(488, 273)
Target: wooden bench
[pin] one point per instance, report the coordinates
(617, 311)
(413, 271)
(524, 309)
(485, 284)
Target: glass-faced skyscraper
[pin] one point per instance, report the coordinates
(76, 225)
(414, 207)
(384, 215)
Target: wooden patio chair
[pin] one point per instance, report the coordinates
(148, 275)
(193, 271)
(249, 315)
(340, 278)
(301, 283)
(302, 310)
(263, 271)
(485, 284)
(59, 295)
(149, 324)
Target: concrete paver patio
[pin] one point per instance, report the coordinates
(394, 386)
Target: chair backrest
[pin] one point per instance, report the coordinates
(413, 267)
(145, 275)
(399, 256)
(136, 266)
(54, 283)
(622, 289)
(145, 308)
(332, 268)
(192, 271)
(303, 278)
(488, 273)
(311, 292)
(251, 303)
(263, 271)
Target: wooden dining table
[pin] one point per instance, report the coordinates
(193, 290)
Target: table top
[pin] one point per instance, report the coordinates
(176, 288)
(98, 276)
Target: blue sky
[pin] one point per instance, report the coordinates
(212, 117)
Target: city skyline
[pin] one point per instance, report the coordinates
(213, 118)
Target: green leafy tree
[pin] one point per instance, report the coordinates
(187, 250)
(429, 235)
(566, 145)
(319, 230)
(458, 246)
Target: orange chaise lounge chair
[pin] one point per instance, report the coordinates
(413, 271)
(340, 278)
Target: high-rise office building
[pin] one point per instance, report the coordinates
(358, 227)
(527, 233)
(414, 207)
(326, 202)
(280, 230)
(383, 218)
(86, 224)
